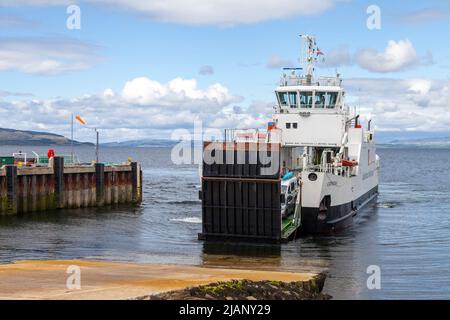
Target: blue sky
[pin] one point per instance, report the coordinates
(397, 74)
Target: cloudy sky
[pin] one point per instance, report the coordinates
(140, 69)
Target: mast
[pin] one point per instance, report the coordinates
(308, 50)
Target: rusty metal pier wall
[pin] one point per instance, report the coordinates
(31, 189)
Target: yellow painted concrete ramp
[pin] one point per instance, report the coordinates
(114, 280)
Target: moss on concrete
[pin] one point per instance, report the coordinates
(250, 290)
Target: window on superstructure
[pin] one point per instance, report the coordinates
(331, 99)
(319, 100)
(294, 125)
(288, 125)
(293, 99)
(306, 99)
(283, 97)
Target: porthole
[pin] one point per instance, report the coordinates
(312, 177)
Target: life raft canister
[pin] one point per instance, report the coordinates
(50, 153)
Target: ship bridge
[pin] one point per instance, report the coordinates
(315, 98)
(310, 112)
(302, 92)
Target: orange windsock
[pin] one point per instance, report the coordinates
(80, 119)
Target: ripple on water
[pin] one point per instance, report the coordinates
(187, 220)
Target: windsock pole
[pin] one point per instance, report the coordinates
(71, 137)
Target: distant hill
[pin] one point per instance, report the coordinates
(142, 143)
(441, 142)
(34, 138)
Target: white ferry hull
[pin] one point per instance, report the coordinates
(330, 202)
(338, 217)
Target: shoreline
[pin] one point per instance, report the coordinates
(99, 280)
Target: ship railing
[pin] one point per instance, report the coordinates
(295, 80)
(330, 168)
(20, 156)
(252, 135)
(329, 81)
(69, 159)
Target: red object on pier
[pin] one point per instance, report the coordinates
(50, 153)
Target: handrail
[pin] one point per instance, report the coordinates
(298, 80)
(330, 168)
(251, 135)
(18, 154)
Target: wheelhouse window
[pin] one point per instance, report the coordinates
(319, 100)
(325, 100)
(293, 99)
(294, 125)
(288, 125)
(331, 99)
(306, 99)
(283, 98)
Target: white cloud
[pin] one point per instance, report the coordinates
(426, 15)
(16, 3)
(143, 91)
(146, 108)
(206, 12)
(337, 57)
(4, 93)
(206, 70)
(14, 21)
(143, 108)
(46, 55)
(421, 86)
(403, 104)
(108, 93)
(179, 93)
(276, 62)
(396, 57)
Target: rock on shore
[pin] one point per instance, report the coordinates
(249, 290)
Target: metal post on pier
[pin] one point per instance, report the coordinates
(96, 146)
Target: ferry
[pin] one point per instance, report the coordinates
(324, 141)
(329, 168)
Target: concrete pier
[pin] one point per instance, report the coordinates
(30, 189)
